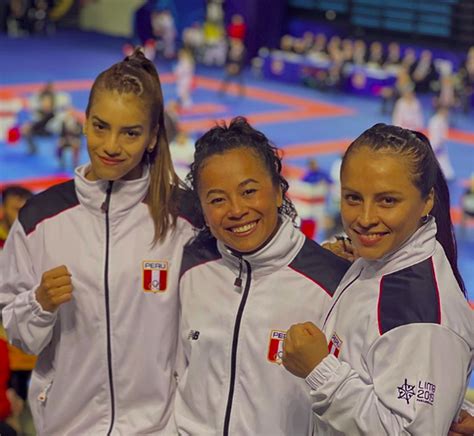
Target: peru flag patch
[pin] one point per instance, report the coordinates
(275, 347)
(155, 275)
(335, 344)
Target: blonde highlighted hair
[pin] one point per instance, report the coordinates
(137, 75)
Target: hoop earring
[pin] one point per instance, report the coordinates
(425, 219)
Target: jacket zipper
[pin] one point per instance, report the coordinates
(105, 209)
(339, 296)
(235, 341)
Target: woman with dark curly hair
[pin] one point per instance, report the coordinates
(247, 275)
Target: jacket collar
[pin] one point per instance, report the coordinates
(276, 254)
(125, 193)
(420, 246)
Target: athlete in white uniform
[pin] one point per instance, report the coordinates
(241, 288)
(396, 354)
(84, 283)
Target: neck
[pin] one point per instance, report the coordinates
(4, 225)
(247, 253)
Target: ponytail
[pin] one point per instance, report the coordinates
(426, 175)
(445, 233)
(138, 75)
(163, 194)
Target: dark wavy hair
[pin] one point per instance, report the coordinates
(426, 174)
(238, 134)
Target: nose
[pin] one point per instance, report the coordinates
(237, 208)
(368, 215)
(112, 144)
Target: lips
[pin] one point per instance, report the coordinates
(244, 229)
(109, 161)
(370, 239)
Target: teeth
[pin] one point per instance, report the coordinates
(243, 229)
(373, 235)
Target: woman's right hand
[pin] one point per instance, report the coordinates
(464, 426)
(342, 247)
(55, 288)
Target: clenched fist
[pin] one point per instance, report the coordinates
(464, 426)
(304, 347)
(55, 288)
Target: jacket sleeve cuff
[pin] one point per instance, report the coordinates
(38, 311)
(322, 372)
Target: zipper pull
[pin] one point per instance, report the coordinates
(43, 395)
(105, 205)
(238, 280)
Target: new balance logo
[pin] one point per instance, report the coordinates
(193, 335)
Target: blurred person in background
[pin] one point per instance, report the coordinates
(390, 94)
(38, 18)
(376, 55)
(311, 196)
(20, 364)
(182, 153)
(184, 71)
(466, 79)
(409, 61)
(407, 112)
(17, 18)
(234, 65)
(438, 130)
(393, 59)
(11, 405)
(70, 138)
(424, 73)
(237, 29)
(43, 108)
(467, 204)
(13, 199)
(164, 30)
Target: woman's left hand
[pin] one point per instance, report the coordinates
(304, 348)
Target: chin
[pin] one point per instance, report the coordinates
(371, 254)
(244, 247)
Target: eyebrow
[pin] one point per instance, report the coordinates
(138, 126)
(246, 182)
(221, 191)
(377, 193)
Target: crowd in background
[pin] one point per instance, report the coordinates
(212, 43)
(26, 17)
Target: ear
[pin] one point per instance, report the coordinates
(154, 140)
(151, 146)
(280, 197)
(430, 199)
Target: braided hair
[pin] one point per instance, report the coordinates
(426, 175)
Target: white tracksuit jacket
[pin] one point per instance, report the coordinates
(232, 336)
(403, 334)
(106, 359)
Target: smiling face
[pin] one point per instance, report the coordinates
(239, 201)
(118, 134)
(380, 206)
